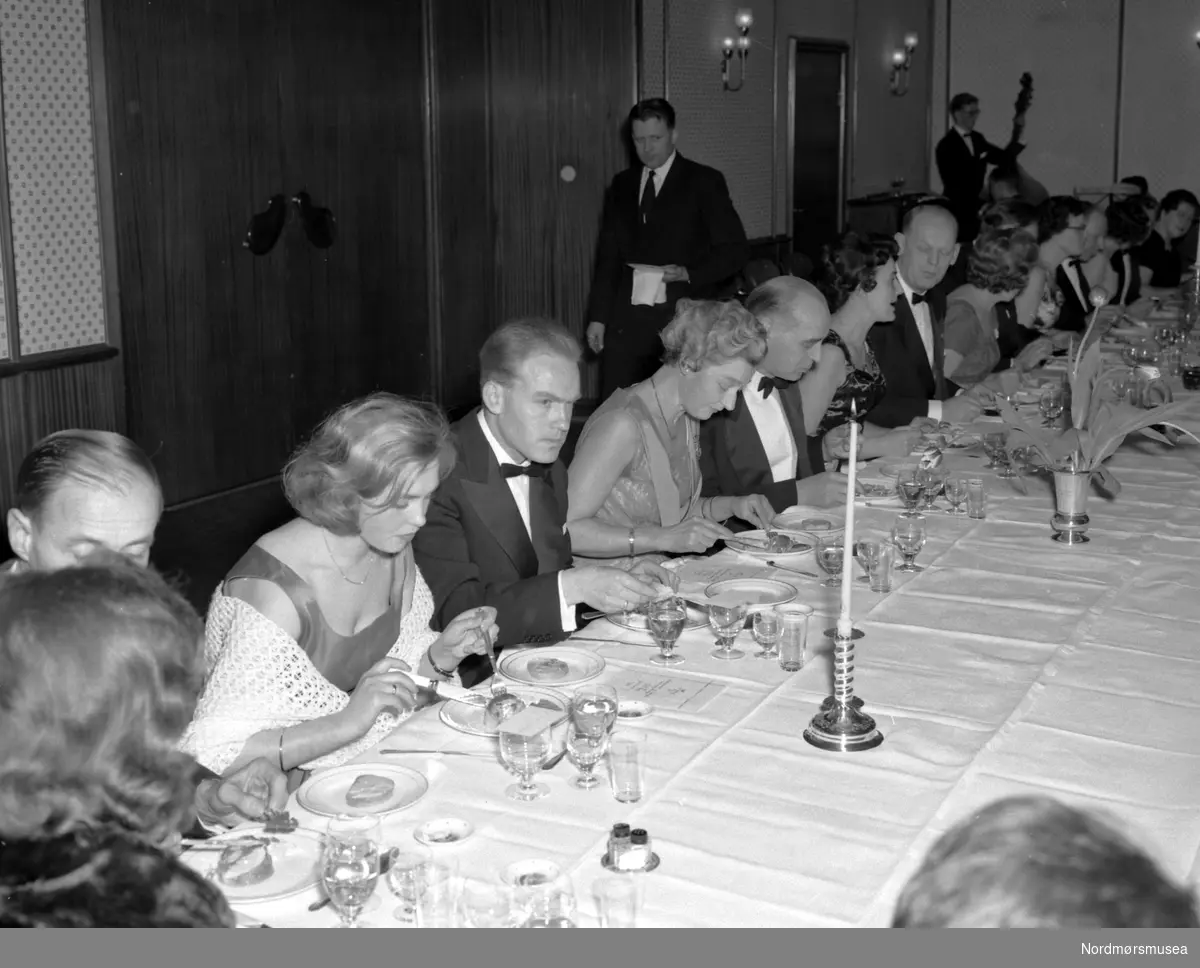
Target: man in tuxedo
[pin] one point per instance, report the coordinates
(760, 446)
(1062, 237)
(495, 532)
(909, 349)
(963, 156)
(670, 213)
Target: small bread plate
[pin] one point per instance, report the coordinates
(324, 793)
(754, 543)
(755, 593)
(633, 709)
(697, 618)
(554, 666)
(818, 522)
(295, 858)
(470, 719)
(875, 481)
(607, 864)
(448, 830)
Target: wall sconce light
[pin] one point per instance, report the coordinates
(744, 20)
(1198, 38)
(901, 59)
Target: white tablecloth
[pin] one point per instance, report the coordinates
(1012, 665)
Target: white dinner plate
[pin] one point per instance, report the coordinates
(804, 518)
(754, 544)
(542, 666)
(755, 593)
(324, 793)
(470, 719)
(295, 856)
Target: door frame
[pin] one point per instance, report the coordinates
(795, 44)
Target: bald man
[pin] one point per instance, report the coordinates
(760, 446)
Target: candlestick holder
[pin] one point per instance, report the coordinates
(840, 725)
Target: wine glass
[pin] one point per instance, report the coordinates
(524, 756)
(726, 621)
(829, 555)
(486, 905)
(667, 619)
(350, 865)
(550, 905)
(867, 553)
(908, 535)
(934, 480)
(956, 493)
(1051, 404)
(910, 487)
(585, 751)
(406, 871)
(768, 627)
(993, 446)
(593, 709)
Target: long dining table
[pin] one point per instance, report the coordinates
(1011, 665)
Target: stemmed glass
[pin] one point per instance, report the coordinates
(910, 487)
(934, 480)
(405, 878)
(524, 756)
(829, 555)
(726, 621)
(993, 446)
(768, 627)
(908, 535)
(667, 619)
(350, 865)
(593, 713)
(956, 494)
(867, 553)
(1051, 404)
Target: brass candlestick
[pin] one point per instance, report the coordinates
(840, 725)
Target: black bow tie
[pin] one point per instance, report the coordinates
(769, 383)
(529, 470)
(918, 298)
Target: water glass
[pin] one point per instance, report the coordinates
(993, 446)
(524, 756)
(1051, 405)
(350, 865)
(881, 569)
(593, 709)
(976, 499)
(830, 553)
(550, 905)
(910, 488)
(956, 494)
(908, 535)
(627, 766)
(867, 551)
(585, 751)
(486, 905)
(934, 481)
(617, 898)
(767, 628)
(667, 619)
(405, 876)
(438, 902)
(726, 621)
(793, 640)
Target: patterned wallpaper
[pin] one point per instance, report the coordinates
(51, 174)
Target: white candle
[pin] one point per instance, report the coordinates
(844, 625)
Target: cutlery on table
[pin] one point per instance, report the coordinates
(553, 761)
(488, 756)
(221, 844)
(794, 571)
(448, 690)
(385, 863)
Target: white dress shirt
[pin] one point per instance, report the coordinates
(925, 328)
(966, 136)
(773, 430)
(660, 175)
(519, 486)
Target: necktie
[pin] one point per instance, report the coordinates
(529, 470)
(769, 383)
(648, 195)
(918, 298)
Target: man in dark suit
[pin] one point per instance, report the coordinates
(495, 532)
(909, 349)
(672, 215)
(963, 156)
(760, 446)
(1062, 236)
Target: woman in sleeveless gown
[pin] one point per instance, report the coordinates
(634, 483)
(309, 635)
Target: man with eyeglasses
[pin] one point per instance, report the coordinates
(963, 156)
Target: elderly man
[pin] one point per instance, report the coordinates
(84, 491)
(496, 529)
(760, 446)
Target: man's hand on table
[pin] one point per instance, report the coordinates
(244, 794)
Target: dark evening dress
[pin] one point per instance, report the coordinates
(865, 387)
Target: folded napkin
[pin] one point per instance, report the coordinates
(648, 286)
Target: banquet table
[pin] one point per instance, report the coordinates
(1011, 665)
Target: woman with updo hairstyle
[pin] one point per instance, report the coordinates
(634, 483)
(309, 635)
(998, 268)
(1114, 267)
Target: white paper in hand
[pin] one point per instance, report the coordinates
(648, 286)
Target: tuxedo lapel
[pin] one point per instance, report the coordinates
(793, 409)
(937, 322)
(913, 343)
(744, 447)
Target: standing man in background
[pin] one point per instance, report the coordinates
(963, 156)
(673, 219)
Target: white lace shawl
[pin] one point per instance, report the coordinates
(258, 678)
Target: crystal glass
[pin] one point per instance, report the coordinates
(617, 898)
(829, 553)
(405, 876)
(486, 905)
(726, 621)
(594, 709)
(524, 756)
(585, 751)
(350, 865)
(867, 553)
(1051, 404)
(550, 905)
(439, 897)
(793, 643)
(910, 488)
(908, 535)
(933, 480)
(667, 619)
(767, 629)
(956, 493)
(993, 446)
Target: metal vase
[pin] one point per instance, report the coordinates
(1070, 521)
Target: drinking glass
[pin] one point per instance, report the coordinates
(934, 480)
(993, 446)
(627, 763)
(868, 552)
(438, 900)
(881, 570)
(976, 498)
(910, 488)
(767, 629)
(524, 756)
(908, 535)
(830, 554)
(793, 640)
(550, 905)
(1051, 404)
(486, 905)
(617, 898)
(956, 493)
(350, 865)
(667, 619)
(726, 621)
(585, 751)
(406, 871)
(593, 709)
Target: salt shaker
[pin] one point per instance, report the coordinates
(618, 844)
(639, 850)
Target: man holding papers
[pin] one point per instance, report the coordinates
(669, 231)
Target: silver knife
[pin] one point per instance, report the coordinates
(448, 690)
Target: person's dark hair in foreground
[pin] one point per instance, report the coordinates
(100, 667)
(1031, 862)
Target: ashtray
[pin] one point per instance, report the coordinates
(450, 830)
(607, 864)
(633, 709)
